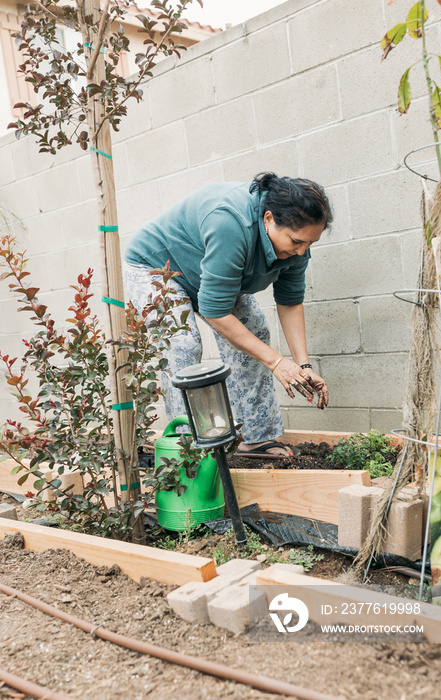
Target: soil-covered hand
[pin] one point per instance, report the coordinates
(320, 387)
(292, 376)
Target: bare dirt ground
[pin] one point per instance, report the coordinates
(54, 654)
(63, 658)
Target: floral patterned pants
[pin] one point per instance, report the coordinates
(250, 384)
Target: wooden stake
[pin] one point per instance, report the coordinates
(110, 253)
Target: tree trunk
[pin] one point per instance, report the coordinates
(110, 263)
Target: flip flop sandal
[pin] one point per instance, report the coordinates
(262, 451)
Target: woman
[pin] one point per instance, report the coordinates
(230, 240)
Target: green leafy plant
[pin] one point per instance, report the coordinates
(70, 421)
(414, 27)
(305, 557)
(372, 451)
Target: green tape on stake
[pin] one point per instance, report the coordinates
(115, 302)
(106, 155)
(87, 46)
(122, 406)
(107, 228)
(136, 485)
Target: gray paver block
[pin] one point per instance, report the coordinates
(230, 609)
(234, 567)
(8, 511)
(190, 600)
(290, 568)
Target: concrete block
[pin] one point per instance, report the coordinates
(45, 233)
(27, 160)
(176, 187)
(280, 158)
(208, 46)
(12, 321)
(131, 216)
(354, 514)
(332, 328)
(60, 269)
(317, 37)
(371, 381)
(413, 130)
(72, 482)
(185, 90)
(399, 187)
(368, 84)
(341, 227)
(121, 166)
(404, 528)
(385, 420)
(288, 568)
(410, 492)
(85, 177)
(357, 507)
(79, 224)
(385, 324)
(340, 142)
(190, 600)
(358, 268)
(21, 199)
(411, 254)
(220, 131)
(278, 111)
(8, 511)
(238, 567)
(265, 298)
(137, 121)
(353, 420)
(258, 66)
(230, 609)
(57, 188)
(7, 170)
(157, 153)
(275, 14)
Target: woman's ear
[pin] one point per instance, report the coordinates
(268, 218)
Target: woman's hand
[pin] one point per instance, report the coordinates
(305, 381)
(319, 385)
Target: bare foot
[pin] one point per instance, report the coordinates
(279, 450)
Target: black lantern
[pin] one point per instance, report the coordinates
(211, 422)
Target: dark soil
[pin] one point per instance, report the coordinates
(312, 457)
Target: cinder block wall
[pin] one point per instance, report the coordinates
(299, 90)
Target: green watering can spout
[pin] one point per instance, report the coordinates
(204, 497)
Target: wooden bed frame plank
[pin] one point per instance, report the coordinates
(309, 493)
(134, 560)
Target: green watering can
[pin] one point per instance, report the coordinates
(204, 497)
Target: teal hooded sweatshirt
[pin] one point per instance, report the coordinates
(216, 238)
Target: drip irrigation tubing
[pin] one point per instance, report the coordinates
(211, 668)
(37, 691)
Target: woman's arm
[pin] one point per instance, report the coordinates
(292, 320)
(287, 371)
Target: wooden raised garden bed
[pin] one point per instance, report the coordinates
(310, 493)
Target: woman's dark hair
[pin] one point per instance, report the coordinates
(293, 202)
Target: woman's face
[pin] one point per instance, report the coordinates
(287, 242)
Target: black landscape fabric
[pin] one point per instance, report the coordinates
(282, 529)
